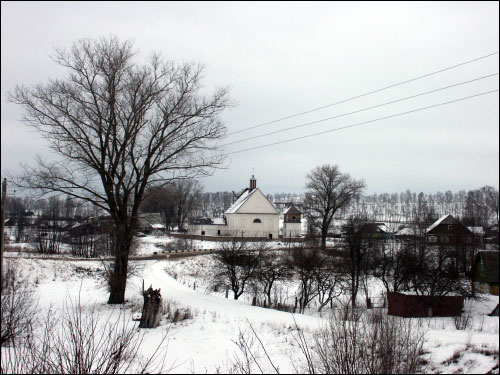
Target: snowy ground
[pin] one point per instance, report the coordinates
(150, 244)
(205, 343)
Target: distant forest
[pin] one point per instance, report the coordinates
(180, 202)
(475, 207)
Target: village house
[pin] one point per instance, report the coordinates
(448, 231)
(251, 215)
(491, 235)
(485, 272)
(378, 231)
(149, 222)
(478, 233)
(408, 233)
(83, 229)
(292, 223)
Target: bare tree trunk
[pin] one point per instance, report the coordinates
(118, 280)
(118, 276)
(324, 233)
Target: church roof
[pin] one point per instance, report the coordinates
(247, 193)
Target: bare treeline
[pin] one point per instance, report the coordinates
(177, 202)
(53, 208)
(474, 207)
(340, 276)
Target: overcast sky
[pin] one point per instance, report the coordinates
(284, 58)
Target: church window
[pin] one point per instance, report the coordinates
(257, 221)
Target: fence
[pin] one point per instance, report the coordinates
(232, 238)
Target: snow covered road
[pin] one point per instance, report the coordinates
(206, 342)
(156, 275)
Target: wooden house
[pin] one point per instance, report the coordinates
(485, 272)
(377, 231)
(448, 231)
(292, 223)
(149, 222)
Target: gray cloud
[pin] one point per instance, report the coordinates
(285, 58)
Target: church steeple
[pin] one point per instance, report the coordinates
(253, 183)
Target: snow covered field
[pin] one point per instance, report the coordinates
(149, 244)
(205, 343)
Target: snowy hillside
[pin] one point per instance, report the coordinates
(206, 340)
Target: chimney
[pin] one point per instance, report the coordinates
(253, 183)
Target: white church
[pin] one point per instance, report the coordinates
(251, 215)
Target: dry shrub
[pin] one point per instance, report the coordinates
(463, 321)
(82, 342)
(352, 343)
(180, 315)
(246, 359)
(175, 314)
(369, 343)
(18, 306)
(249, 356)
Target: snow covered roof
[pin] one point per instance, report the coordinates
(374, 228)
(247, 193)
(218, 220)
(446, 219)
(476, 230)
(406, 232)
(157, 226)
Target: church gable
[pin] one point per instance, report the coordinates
(257, 203)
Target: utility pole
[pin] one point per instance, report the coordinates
(4, 207)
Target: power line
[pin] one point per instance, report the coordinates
(362, 123)
(360, 110)
(360, 96)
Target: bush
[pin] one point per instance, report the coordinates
(463, 321)
(369, 343)
(175, 314)
(178, 244)
(18, 307)
(352, 343)
(78, 342)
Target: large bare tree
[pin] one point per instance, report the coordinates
(120, 127)
(328, 190)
